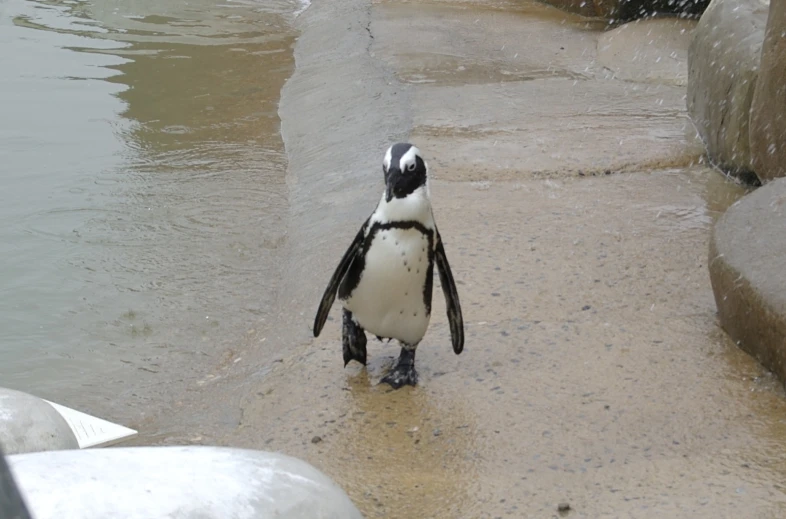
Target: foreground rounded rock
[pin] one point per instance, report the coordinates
(747, 265)
(176, 483)
(29, 424)
(768, 111)
(723, 61)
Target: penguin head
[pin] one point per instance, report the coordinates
(404, 169)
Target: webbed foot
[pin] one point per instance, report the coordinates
(404, 372)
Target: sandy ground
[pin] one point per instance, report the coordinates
(576, 219)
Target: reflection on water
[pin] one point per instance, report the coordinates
(143, 186)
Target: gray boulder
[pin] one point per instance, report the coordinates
(29, 424)
(768, 110)
(747, 262)
(176, 483)
(723, 64)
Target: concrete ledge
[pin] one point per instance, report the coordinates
(176, 483)
(747, 266)
(29, 424)
(654, 51)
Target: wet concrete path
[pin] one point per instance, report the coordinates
(594, 371)
(596, 375)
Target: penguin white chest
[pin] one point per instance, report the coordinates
(389, 300)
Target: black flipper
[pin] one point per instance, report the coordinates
(451, 297)
(330, 292)
(404, 373)
(354, 339)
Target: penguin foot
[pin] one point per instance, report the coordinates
(353, 339)
(400, 377)
(404, 373)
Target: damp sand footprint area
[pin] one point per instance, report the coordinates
(594, 371)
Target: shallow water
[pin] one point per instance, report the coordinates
(142, 191)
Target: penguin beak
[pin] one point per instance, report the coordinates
(391, 179)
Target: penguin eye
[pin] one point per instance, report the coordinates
(411, 167)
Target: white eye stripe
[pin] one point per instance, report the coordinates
(409, 158)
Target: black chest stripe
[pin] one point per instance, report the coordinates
(352, 279)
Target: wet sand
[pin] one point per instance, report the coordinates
(576, 217)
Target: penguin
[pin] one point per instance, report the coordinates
(385, 278)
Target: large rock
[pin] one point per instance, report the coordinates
(723, 63)
(748, 272)
(29, 424)
(176, 483)
(626, 10)
(768, 111)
